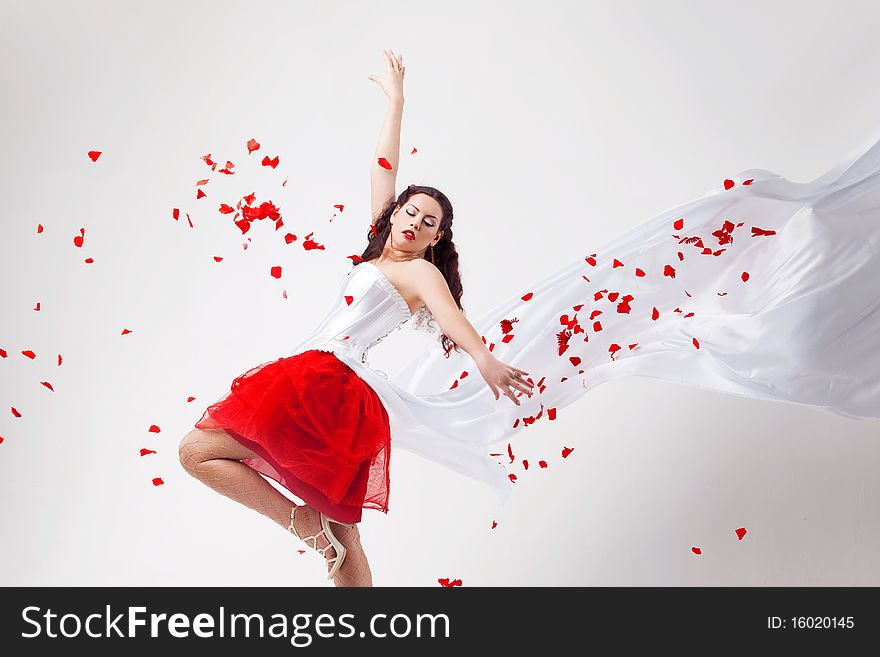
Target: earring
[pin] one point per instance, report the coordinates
(432, 256)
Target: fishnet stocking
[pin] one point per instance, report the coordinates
(355, 569)
(214, 458)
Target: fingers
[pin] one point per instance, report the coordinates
(393, 63)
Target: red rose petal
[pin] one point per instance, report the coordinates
(385, 164)
(566, 451)
(30, 354)
(696, 550)
(679, 224)
(740, 533)
(728, 183)
(275, 271)
(745, 276)
(252, 145)
(48, 385)
(157, 481)
(145, 451)
(154, 429)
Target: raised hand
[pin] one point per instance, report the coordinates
(504, 377)
(392, 85)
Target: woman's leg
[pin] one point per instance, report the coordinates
(214, 458)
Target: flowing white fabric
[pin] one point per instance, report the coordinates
(762, 287)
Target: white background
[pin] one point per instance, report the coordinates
(552, 127)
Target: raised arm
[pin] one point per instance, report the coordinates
(382, 179)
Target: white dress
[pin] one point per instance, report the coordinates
(762, 287)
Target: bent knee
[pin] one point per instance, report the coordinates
(188, 451)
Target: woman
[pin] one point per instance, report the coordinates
(319, 421)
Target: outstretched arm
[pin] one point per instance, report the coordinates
(434, 292)
(382, 179)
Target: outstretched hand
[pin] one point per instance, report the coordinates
(392, 85)
(503, 377)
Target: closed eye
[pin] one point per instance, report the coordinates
(426, 221)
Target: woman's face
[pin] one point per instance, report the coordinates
(415, 225)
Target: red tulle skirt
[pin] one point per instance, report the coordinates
(317, 429)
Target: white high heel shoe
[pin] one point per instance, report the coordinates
(329, 535)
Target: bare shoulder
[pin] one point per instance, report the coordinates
(425, 270)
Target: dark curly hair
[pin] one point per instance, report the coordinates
(445, 254)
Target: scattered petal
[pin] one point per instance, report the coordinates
(445, 582)
(157, 481)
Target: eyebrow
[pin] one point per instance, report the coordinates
(427, 215)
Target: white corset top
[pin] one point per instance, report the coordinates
(367, 308)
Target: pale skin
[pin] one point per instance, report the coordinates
(403, 260)
(215, 458)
